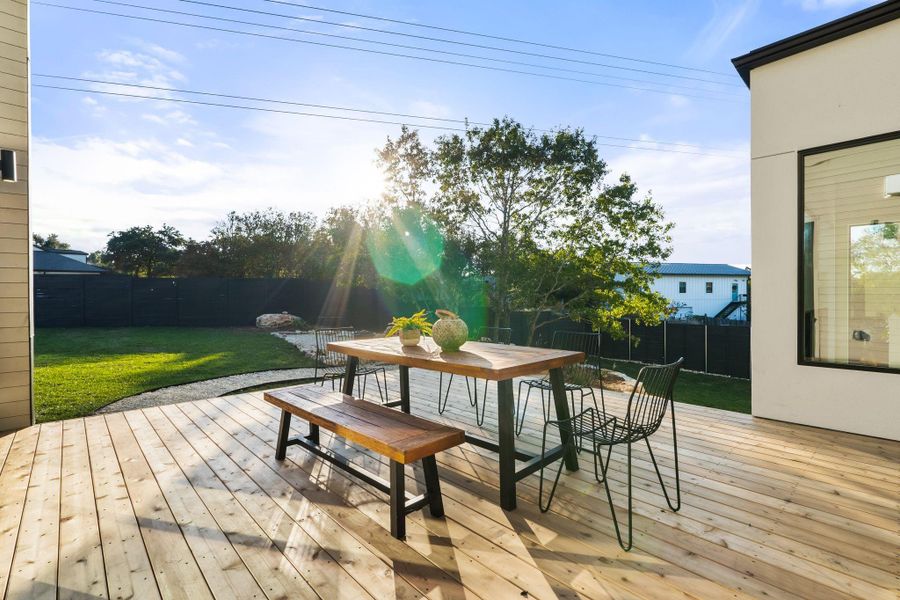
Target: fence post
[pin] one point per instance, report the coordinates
(706, 347)
(83, 302)
(665, 341)
(629, 339)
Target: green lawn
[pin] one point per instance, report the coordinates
(696, 388)
(79, 370)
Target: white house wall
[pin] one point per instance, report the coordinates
(696, 298)
(844, 90)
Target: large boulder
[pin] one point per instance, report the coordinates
(275, 320)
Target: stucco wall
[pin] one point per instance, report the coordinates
(844, 90)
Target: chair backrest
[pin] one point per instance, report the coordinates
(651, 396)
(325, 357)
(587, 371)
(495, 335)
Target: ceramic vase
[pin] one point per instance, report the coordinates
(449, 331)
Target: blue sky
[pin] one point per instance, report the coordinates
(102, 163)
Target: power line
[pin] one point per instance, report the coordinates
(340, 108)
(448, 41)
(497, 37)
(366, 50)
(725, 94)
(325, 116)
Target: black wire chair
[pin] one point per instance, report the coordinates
(579, 378)
(493, 335)
(330, 366)
(591, 430)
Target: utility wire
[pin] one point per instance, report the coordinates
(341, 108)
(495, 37)
(725, 93)
(320, 115)
(366, 50)
(448, 41)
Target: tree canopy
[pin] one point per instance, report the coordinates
(51, 242)
(144, 251)
(496, 219)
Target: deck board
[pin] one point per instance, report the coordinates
(187, 501)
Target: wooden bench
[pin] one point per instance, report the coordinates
(399, 436)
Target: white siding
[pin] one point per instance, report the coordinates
(844, 90)
(695, 300)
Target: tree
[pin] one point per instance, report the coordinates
(541, 224)
(51, 242)
(260, 243)
(407, 167)
(339, 251)
(144, 251)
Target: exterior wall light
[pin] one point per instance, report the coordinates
(8, 165)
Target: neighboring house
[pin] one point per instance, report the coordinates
(700, 289)
(63, 262)
(825, 184)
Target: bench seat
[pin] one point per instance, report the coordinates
(400, 437)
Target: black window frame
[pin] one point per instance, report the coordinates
(802, 360)
(682, 287)
(709, 287)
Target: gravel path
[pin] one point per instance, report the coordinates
(201, 390)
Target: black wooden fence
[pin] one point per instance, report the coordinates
(710, 348)
(122, 301)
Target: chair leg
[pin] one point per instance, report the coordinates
(677, 506)
(545, 403)
(598, 458)
(521, 410)
(612, 509)
(541, 505)
(472, 402)
(479, 414)
(443, 396)
(384, 398)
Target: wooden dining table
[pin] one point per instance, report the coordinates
(493, 362)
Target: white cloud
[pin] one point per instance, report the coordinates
(727, 16)
(84, 189)
(817, 5)
(707, 197)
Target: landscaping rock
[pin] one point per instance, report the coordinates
(275, 320)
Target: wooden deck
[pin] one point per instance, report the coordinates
(187, 501)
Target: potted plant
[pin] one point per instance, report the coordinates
(410, 329)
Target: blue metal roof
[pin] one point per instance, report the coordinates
(698, 269)
(57, 263)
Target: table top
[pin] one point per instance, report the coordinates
(475, 359)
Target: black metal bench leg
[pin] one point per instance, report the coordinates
(313, 433)
(433, 486)
(398, 501)
(284, 430)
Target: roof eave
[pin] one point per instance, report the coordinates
(817, 36)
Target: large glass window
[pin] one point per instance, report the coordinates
(850, 255)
